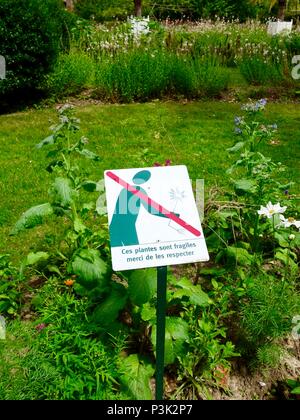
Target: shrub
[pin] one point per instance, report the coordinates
(292, 44)
(211, 80)
(72, 74)
(267, 313)
(260, 72)
(134, 76)
(182, 77)
(142, 76)
(30, 35)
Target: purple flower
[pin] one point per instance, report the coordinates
(238, 130)
(286, 192)
(274, 126)
(255, 107)
(40, 327)
(237, 120)
(262, 102)
(167, 163)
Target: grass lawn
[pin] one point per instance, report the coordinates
(195, 134)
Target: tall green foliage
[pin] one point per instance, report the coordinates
(102, 10)
(174, 9)
(195, 9)
(30, 35)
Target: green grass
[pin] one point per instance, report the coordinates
(23, 370)
(195, 134)
(32, 367)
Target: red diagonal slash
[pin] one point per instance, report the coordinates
(153, 204)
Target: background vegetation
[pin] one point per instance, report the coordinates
(102, 10)
(30, 38)
(77, 330)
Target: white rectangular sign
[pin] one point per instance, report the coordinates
(153, 218)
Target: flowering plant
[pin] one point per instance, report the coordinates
(270, 210)
(260, 172)
(251, 131)
(253, 231)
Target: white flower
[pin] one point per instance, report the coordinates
(290, 221)
(262, 384)
(292, 237)
(271, 209)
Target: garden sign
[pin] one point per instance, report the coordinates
(153, 218)
(154, 222)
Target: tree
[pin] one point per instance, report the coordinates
(197, 9)
(280, 4)
(69, 4)
(281, 8)
(138, 8)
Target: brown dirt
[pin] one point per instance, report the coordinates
(243, 384)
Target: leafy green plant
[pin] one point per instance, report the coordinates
(268, 311)
(82, 252)
(65, 191)
(294, 386)
(207, 358)
(20, 360)
(88, 368)
(176, 339)
(135, 377)
(268, 355)
(239, 227)
(10, 287)
(258, 247)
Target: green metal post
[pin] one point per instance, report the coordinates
(160, 329)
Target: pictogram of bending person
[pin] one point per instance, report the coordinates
(122, 227)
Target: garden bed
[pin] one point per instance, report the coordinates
(91, 333)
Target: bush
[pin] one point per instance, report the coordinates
(259, 72)
(211, 79)
(142, 76)
(30, 36)
(72, 74)
(134, 76)
(292, 44)
(267, 314)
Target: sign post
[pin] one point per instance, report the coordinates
(154, 222)
(160, 330)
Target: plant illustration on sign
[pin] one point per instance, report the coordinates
(177, 196)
